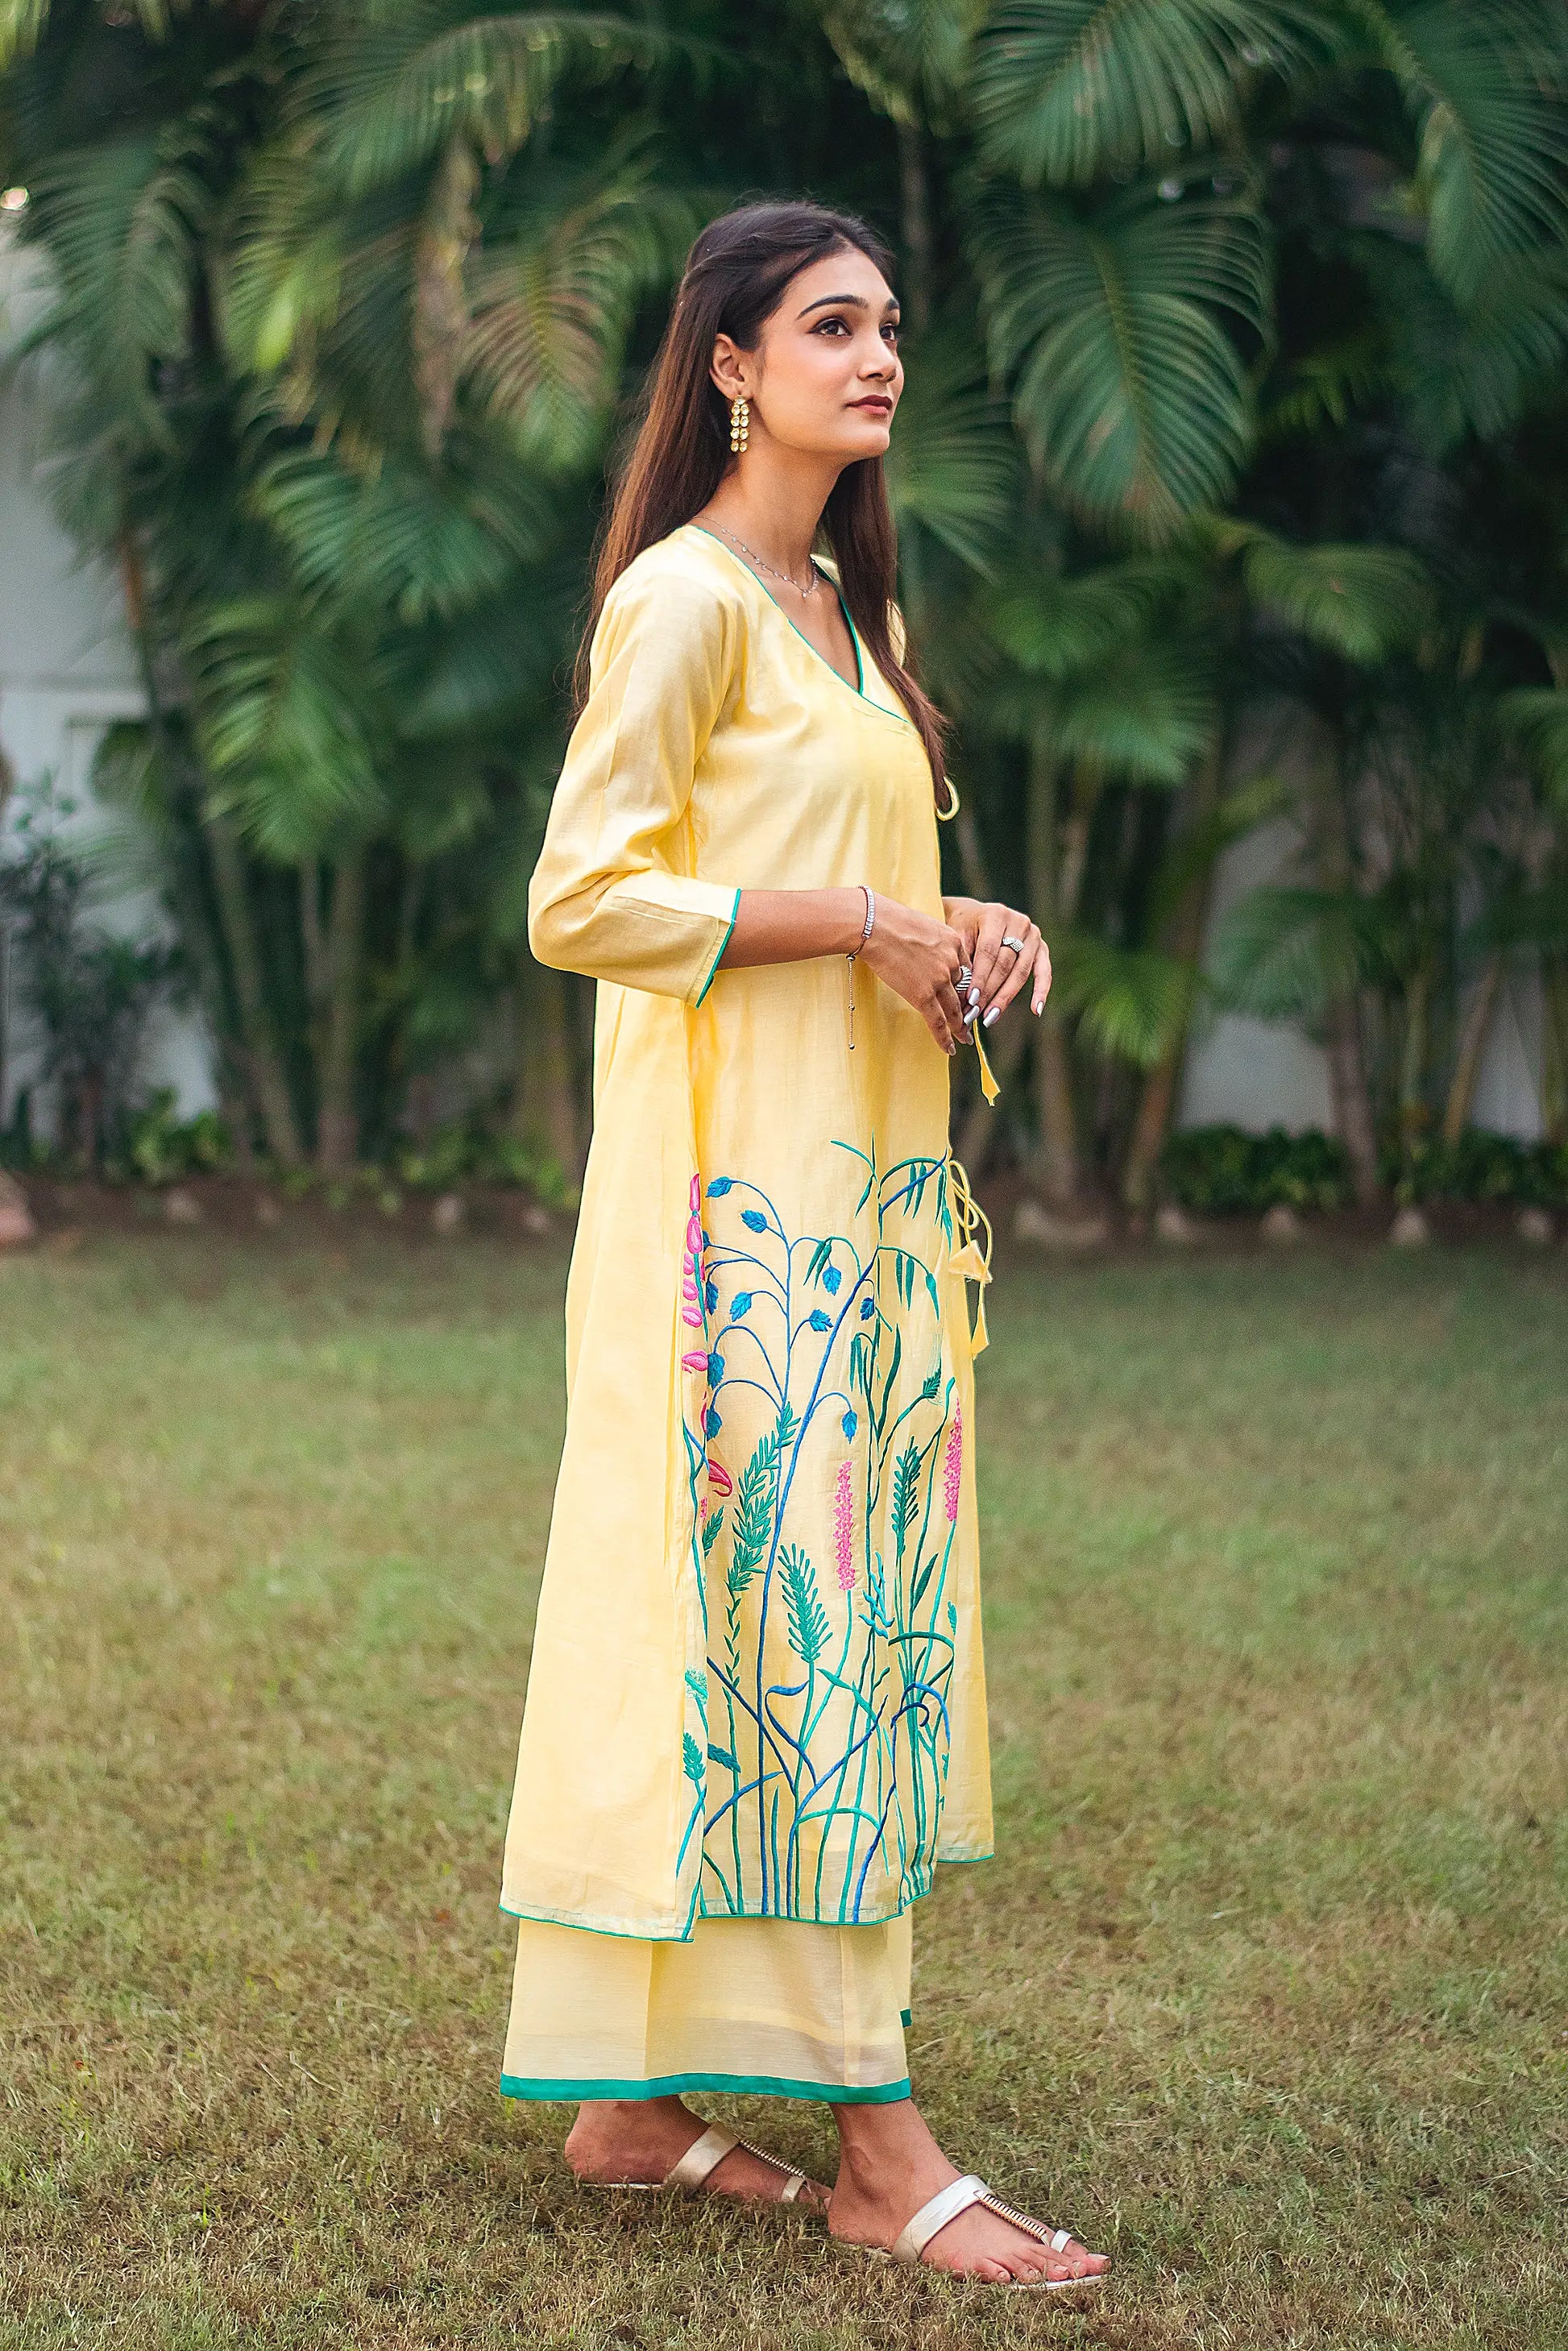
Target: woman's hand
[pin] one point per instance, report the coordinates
(997, 971)
(916, 956)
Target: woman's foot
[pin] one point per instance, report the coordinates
(890, 2166)
(624, 2141)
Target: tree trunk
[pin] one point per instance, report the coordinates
(250, 1079)
(264, 1065)
(1472, 1046)
(1157, 1103)
(337, 1117)
(1555, 1047)
(1352, 1095)
(1056, 856)
(546, 1116)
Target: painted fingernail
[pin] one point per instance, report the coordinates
(1039, 1004)
(992, 1014)
(974, 995)
(970, 1014)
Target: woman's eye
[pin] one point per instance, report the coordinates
(825, 326)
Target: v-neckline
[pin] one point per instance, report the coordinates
(833, 671)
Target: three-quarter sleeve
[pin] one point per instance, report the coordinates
(611, 894)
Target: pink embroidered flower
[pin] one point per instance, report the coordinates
(719, 1476)
(953, 1462)
(695, 1359)
(844, 1527)
(692, 1264)
(702, 1509)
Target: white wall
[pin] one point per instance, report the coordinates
(67, 670)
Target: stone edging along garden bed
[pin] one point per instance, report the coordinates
(42, 1210)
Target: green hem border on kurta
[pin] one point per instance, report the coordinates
(734, 2085)
(676, 1934)
(713, 973)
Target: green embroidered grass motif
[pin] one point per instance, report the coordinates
(824, 1412)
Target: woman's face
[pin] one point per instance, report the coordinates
(826, 376)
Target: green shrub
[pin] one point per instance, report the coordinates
(463, 1151)
(1483, 1166)
(1222, 1171)
(160, 1147)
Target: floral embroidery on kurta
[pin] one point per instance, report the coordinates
(824, 1433)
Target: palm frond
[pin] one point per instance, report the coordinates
(907, 56)
(953, 466)
(1055, 627)
(1144, 714)
(1536, 718)
(1281, 954)
(397, 85)
(1132, 1002)
(1485, 85)
(1361, 602)
(123, 222)
(1066, 89)
(553, 297)
(1134, 399)
(22, 23)
(399, 539)
(285, 721)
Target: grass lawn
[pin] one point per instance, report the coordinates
(1267, 1990)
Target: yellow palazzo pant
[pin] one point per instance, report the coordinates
(776, 2007)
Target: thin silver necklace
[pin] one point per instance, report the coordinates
(751, 551)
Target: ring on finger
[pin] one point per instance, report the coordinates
(1016, 945)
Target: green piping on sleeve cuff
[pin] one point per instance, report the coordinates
(712, 972)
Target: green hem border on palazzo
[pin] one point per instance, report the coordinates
(712, 972)
(734, 2085)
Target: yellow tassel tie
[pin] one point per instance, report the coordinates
(968, 1258)
(989, 1086)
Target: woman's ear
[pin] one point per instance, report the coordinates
(728, 369)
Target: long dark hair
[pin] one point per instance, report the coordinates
(735, 279)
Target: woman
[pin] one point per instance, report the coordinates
(755, 1710)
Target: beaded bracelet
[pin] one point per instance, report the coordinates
(850, 956)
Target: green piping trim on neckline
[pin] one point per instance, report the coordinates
(712, 972)
(858, 691)
(734, 2085)
(906, 2018)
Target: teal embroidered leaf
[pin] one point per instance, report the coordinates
(691, 1760)
(921, 1581)
(952, 1618)
(819, 1256)
(711, 1526)
(932, 1384)
(809, 1626)
(754, 1512)
(905, 1493)
(722, 1755)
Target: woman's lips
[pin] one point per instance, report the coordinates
(879, 401)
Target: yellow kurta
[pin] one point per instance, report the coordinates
(756, 1687)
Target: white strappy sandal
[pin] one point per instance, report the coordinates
(704, 2155)
(957, 2196)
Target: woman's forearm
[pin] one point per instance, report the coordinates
(788, 926)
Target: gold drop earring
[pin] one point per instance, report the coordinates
(739, 422)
